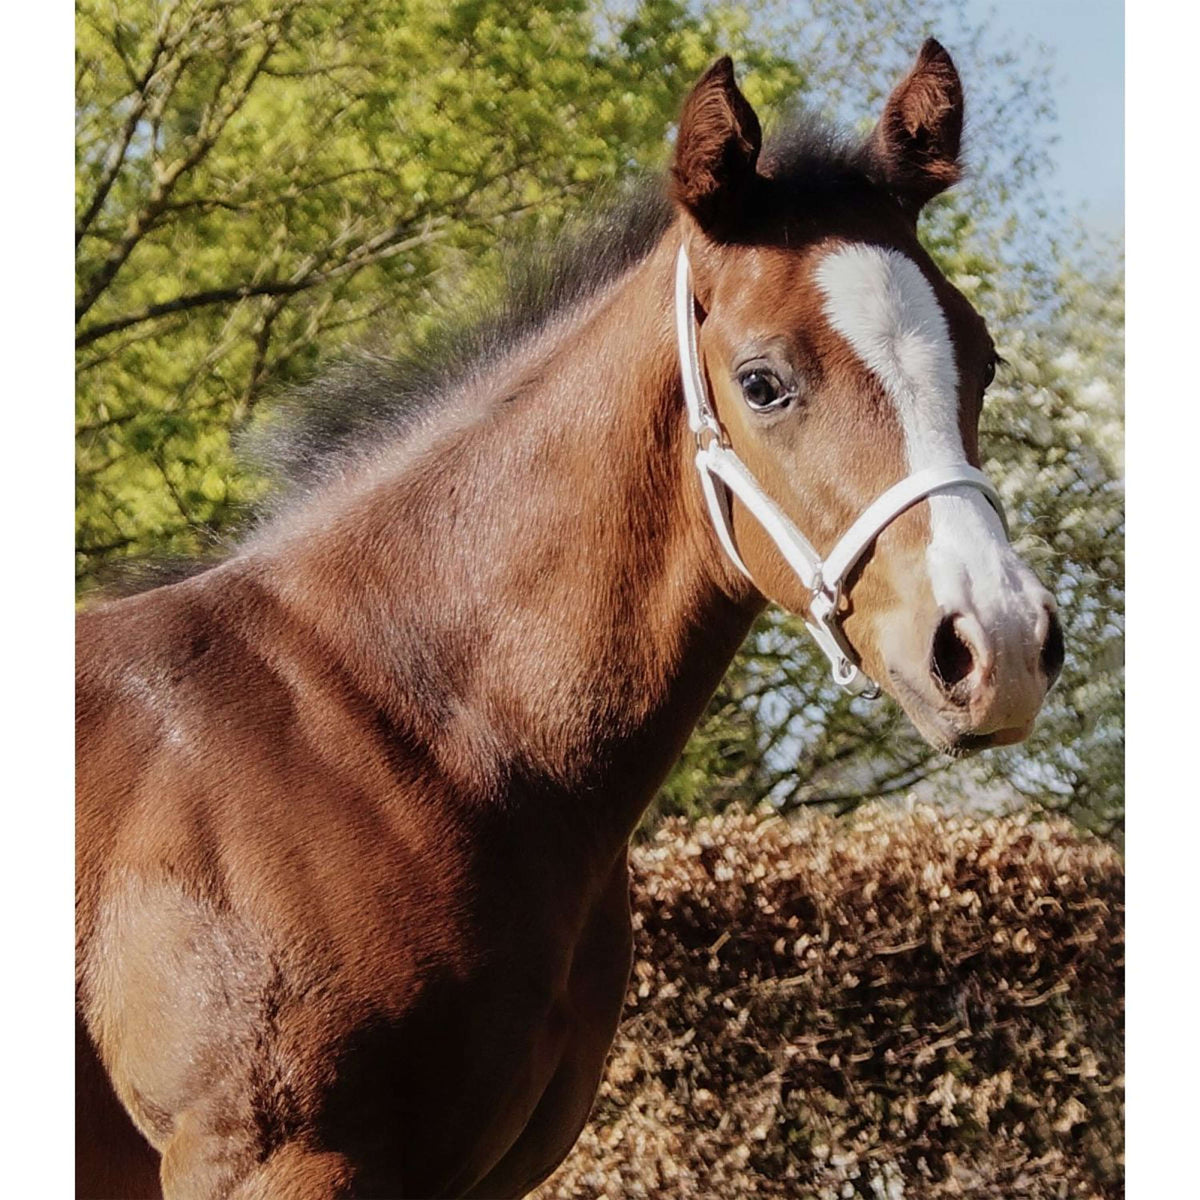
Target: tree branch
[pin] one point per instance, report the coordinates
(372, 252)
(383, 245)
(142, 87)
(212, 123)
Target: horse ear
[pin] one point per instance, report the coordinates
(717, 148)
(918, 137)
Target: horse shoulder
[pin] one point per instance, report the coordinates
(323, 931)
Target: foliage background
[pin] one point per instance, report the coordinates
(263, 183)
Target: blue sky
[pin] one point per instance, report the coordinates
(1087, 37)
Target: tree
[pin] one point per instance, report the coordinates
(258, 180)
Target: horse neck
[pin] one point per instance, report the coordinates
(537, 594)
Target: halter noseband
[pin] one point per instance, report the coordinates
(722, 472)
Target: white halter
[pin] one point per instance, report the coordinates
(716, 461)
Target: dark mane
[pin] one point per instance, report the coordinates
(363, 401)
(807, 153)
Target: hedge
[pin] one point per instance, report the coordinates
(904, 1005)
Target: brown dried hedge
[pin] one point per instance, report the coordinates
(906, 1005)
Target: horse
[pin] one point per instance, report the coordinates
(354, 803)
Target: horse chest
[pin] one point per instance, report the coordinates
(596, 991)
(483, 1087)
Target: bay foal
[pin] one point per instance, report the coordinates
(354, 804)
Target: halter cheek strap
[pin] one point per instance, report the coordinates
(722, 474)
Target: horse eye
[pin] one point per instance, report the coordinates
(989, 372)
(762, 389)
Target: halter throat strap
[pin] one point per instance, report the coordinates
(723, 474)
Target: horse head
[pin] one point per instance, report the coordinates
(835, 380)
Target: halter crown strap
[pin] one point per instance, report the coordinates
(722, 474)
(701, 417)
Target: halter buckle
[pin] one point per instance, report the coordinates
(709, 434)
(824, 600)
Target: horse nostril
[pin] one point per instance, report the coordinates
(952, 659)
(1053, 650)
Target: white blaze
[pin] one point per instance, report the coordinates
(881, 303)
